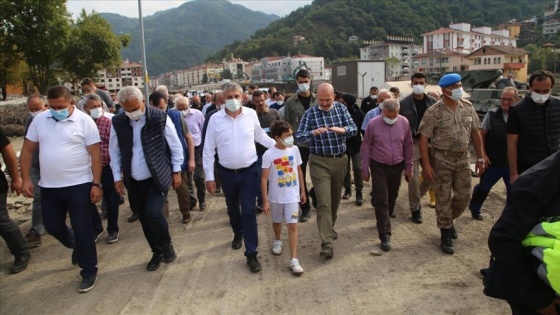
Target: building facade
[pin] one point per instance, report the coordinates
(271, 69)
(127, 74)
(512, 60)
(397, 51)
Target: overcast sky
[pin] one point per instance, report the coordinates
(129, 8)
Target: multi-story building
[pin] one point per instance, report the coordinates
(512, 60)
(195, 75)
(127, 74)
(236, 66)
(397, 51)
(271, 69)
(513, 27)
(464, 39)
(439, 61)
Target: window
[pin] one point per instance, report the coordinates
(499, 59)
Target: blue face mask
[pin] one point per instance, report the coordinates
(60, 114)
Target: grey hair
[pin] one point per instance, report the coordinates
(181, 99)
(385, 91)
(511, 88)
(92, 97)
(163, 90)
(126, 94)
(390, 105)
(231, 86)
(38, 96)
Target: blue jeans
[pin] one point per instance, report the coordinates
(37, 226)
(145, 199)
(490, 177)
(240, 190)
(74, 200)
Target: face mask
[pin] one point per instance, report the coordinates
(390, 121)
(303, 87)
(250, 97)
(34, 113)
(96, 112)
(280, 103)
(185, 113)
(539, 98)
(288, 141)
(135, 115)
(418, 89)
(233, 104)
(456, 94)
(60, 114)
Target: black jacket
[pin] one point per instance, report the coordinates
(354, 143)
(534, 196)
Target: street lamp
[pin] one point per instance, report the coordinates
(363, 75)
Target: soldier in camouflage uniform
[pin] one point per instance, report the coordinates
(451, 124)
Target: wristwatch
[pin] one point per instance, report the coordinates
(481, 160)
(96, 185)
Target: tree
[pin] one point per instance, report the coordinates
(39, 31)
(204, 78)
(93, 46)
(390, 63)
(226, 74)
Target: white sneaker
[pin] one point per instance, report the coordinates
(277, 248)
(296, 268)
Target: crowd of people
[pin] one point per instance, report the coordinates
(256, 147)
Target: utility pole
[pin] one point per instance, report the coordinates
(144, 64)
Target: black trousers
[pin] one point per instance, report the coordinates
(385, 184)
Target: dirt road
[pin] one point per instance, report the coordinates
(211, 278)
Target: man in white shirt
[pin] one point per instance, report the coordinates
(232, 133)
(67, 139)
(140, 140)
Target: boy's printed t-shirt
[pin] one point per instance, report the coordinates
(283, 180)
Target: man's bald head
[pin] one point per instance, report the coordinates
(325, 96)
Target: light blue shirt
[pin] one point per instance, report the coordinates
(369, 116)
(139, 167)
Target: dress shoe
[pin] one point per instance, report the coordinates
(477, 216)
(327, 252)
(335, 234)
(359, 198)
(155, 262)
(304, 217)
(20, 263)
(202, 206)
(187, 219)
(33, 239)
(133, 217)
(417, 216)
(169, 254)
(237, 239)
(347, 194)
(253, 263)
(385, 244)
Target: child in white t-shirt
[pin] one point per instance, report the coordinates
(283, 178)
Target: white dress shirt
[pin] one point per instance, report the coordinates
(139, 167)
(234, 139)
(195, 122)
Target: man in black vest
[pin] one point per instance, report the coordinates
(533, 127)
(493, 134)
(370, 102)
(143, 140)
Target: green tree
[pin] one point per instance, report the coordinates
(226, 74)
(390, 66)
(204, 78)
(39, 31)
(93, 46)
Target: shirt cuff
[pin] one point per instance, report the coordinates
(176, 168)
(117, 176)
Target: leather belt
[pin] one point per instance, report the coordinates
(239, 170)
(331, 156)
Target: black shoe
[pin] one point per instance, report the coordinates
(113, 237)
(253, 263)
(385, 244)
(453, 231)
(202, 206)
(74, 257)
(327, 252)
(87, 284)
(169, 254)
(478, 216)
(133, 217)
(20, 263)
(155, 262)
(446, 242)
(33, 239)
(237, 240)
(193, 203)
(347, 194)
(417, 216)
(335, 235)
(359, 198)
(304, 217)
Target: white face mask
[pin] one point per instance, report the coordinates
(389, 121)
(456, 94)
(135, 115)
(96, 112)
(280, 102)
(185, 112)
(418, 89)
(288, 141)
(303, 87)
(251, 97)
(539, 98)
(233, 104)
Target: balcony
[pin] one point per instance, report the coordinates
(514, 65)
